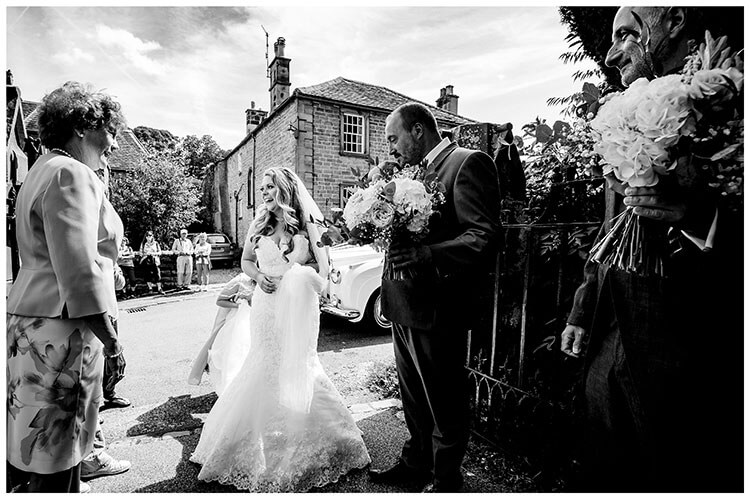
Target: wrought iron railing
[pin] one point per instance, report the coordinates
(524, 389)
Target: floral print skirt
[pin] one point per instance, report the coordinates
(54, 379)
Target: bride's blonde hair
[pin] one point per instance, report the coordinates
(287, 199)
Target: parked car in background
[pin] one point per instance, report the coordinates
(223, 251)
(354, 285)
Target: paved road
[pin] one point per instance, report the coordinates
(159, 431)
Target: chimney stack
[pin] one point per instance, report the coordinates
(448, 100)
(278, 47)
(279, 67)
(253, 117)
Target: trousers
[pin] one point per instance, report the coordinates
(184, 270)
(434, 390)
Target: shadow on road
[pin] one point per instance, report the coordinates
(176, 414)
(383, 435)
(338, 334)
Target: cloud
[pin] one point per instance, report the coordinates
(130, 47)
(73, 57)
(195, 70)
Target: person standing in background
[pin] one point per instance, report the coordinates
(150, 252)
(125, 259)
(183, 248)
(202, 253)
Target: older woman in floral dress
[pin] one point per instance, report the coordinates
(62, 305)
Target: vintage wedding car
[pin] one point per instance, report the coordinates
(354, 285)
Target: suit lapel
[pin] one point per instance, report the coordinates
(435, 165)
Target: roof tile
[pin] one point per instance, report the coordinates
(365, 94)
(31, 115)
(129, 154)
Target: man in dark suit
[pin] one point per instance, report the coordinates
(433, 310)
(663, 356)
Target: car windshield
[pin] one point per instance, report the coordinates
(217, 239)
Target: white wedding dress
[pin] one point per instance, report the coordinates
(281, 425)
(230, 349)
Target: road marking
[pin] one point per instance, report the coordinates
(367, 409)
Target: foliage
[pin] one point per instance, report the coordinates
(716, 78)
(158, 196)
(590, 30)
(383, 380)
(198, 153)
(511, 473)
(156, 140)
(193, 155)
(205, 222)
(560, 171)
(589, 35)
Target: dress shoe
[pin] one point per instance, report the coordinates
(399, 473)
(117, 402)
(444, 487)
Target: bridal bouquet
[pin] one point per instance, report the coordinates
(689, 125)
(396, 205)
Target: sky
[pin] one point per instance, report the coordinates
(194, 70)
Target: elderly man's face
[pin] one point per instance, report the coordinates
(626, 53)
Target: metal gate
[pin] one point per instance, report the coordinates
(524, 388)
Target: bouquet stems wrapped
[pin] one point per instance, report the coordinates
(633, 244)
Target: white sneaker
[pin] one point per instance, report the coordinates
(103, 465)
(84, 488)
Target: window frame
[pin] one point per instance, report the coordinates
(364, 117)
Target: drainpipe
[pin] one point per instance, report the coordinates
(237, 214)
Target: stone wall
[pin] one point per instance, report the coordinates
(272, 145)
(330, 167)
(314, 153)
(168, 269)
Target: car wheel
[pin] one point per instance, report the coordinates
(375, 312)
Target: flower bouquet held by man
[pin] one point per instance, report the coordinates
(396, 206)
(681, 131)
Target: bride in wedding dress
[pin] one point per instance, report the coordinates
(280, 425)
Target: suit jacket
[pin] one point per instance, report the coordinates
(68, 238)
(688, 322)
(463, 240)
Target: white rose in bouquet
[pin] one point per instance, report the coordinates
(637, 127)
(411, 196)
(382, 214)
(357, 209)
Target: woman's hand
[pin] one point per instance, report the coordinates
(116, 364)
(266, 283)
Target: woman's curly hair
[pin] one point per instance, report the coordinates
(287, 199)
(75, 106)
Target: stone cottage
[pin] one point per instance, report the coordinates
(320, 131)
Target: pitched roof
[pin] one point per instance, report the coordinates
(129, 154)
(31, 115)
(374, 96)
